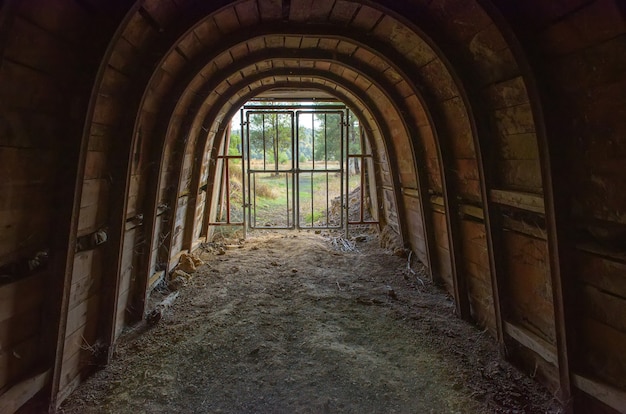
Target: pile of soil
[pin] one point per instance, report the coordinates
(286, 323)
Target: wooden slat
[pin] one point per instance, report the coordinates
(597, 249)
(524, 228)
(437, 200)
(528, 287)
(81, 340)
(603, 273)
(532, 342)
(518, 199)
(16, 329)
(23, 230)
(602, 351)
(610, 396)
(83, 313)
(607, 308)
(411, 192)
(20, 393)
(472, 211)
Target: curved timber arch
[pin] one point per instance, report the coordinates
(454, 162)
(497, 127)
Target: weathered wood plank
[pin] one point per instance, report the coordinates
(83, 313)
(474, 242)
(602, 273)
(121, 315)
(520, 175)
(35, 47)
(517, 199)
(511, 92)
(16, 361)
(226, 20)
(343, 11)
(320, 10)
(472, 211)
(94, 191)
(519, 226)
(595, 22)
(23, 391)
(23, 234)
(609, 395)
(83, 339)
(606, 308)
(602, 351)
(366, 18)
(518, 147)
(528, 285)
(85, 287)
(20, 327)
(300, 11)
(531, 341)
(91, 218)
(20, 296)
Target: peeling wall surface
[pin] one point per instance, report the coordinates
(497, 128)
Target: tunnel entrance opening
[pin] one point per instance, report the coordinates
(294, 165)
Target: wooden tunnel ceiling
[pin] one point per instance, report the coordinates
(367, 55)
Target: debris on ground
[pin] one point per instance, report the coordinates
(189, 263)
(342, 244)
(345, 333)
(157, 313)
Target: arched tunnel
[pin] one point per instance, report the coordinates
(497, 128)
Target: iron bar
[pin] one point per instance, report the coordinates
(227, 172)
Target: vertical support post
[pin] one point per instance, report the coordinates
(244, 157)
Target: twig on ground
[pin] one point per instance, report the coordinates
(155, 316)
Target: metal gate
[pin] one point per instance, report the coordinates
(295, 163)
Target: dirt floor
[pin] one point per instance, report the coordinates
(295, 322)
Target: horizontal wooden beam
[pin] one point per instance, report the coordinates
(612, 397)
(437, 201)
(523, 201)
(20, 393)
(411, 192)
(519, 226)
(532, 342)
(602, 251)
(472, 211)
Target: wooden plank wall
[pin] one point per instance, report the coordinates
(101, 172)
(44, 88)
(29, 156)
(510, 154)
(476, 262)
(82, 327)
(602, 284)
(582, 45)
(517, 194)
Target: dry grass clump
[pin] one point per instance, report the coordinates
(234, 172)
(266, 191)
